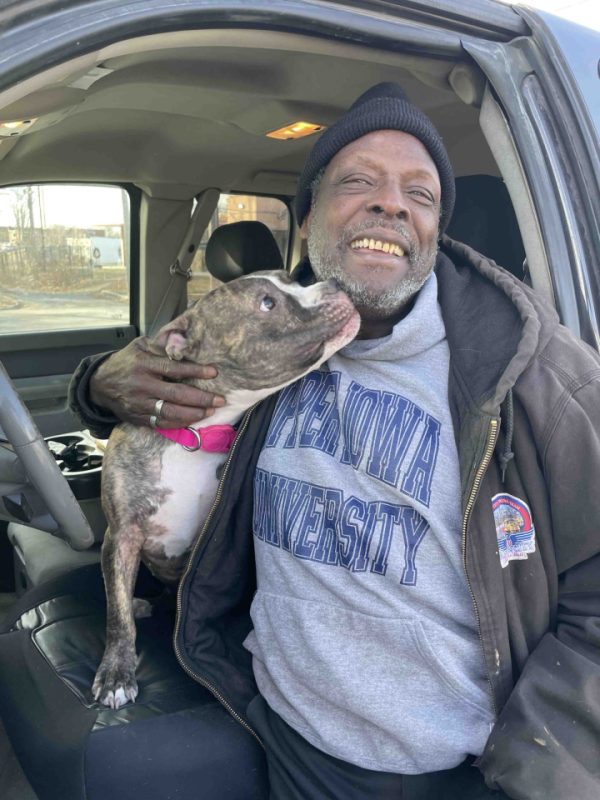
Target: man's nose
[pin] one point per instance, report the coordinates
(389, 199)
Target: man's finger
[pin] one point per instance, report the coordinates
(180, 394)
(162, 365)
(177, 413)
(182, 417)
(177, 370)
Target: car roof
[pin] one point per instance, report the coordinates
(178, 111)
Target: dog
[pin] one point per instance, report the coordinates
(262, 332)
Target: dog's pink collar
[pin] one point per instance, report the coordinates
(212, 438)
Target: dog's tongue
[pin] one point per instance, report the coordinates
(175, 344)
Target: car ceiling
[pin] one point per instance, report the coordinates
(177, 113)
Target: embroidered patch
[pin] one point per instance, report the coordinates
(514, 528)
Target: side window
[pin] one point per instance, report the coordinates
(234, 208)
(64, 257)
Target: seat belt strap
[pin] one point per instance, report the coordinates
(181, 268)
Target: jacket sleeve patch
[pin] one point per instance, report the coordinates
(514, 528)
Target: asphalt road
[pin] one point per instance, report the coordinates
(36, 311)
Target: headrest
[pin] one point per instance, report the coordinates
(241, 248)
(484, 219)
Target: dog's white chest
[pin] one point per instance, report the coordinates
(192, 483)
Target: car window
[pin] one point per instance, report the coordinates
(235, 208)
(64, 257)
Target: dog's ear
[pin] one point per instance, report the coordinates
(175, 338)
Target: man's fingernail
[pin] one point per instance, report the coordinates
(219, 401)
(209, 412)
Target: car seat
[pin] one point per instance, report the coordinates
(484, 219)
(175, 741)
(241, 248)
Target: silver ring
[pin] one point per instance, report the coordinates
(158, 407)
(153, 421)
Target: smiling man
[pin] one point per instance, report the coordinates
(361, 591)
(423, 509)
(375, 204)
(374, 224)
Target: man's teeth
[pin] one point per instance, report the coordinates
(377, 244)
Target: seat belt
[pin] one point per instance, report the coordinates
(180, 269)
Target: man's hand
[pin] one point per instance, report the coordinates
(130, 382)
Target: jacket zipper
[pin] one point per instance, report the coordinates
(198, 678)
(481, 470)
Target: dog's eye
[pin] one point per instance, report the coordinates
(267, 303)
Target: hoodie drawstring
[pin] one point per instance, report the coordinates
(507, 454)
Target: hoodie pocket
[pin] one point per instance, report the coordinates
(433, 648)
(369, 690)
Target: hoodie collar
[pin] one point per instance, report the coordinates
(420, 330)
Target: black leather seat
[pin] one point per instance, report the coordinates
(240, 248)
(175, 741)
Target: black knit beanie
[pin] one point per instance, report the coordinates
(382, 107)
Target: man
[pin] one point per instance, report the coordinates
(424, 511)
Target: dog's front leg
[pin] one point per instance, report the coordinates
(115, 682)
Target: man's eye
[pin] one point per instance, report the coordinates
(267, 303)
(356, 179)
(422, 195)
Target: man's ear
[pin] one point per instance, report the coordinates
(172, 338)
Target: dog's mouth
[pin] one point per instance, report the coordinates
(342, 319)
(349, 326)
(340, 326)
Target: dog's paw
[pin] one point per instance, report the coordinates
(115, 685)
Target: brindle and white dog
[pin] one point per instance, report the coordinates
(262, 332)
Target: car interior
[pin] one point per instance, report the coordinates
(175, 126)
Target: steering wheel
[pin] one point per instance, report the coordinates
(41, 468)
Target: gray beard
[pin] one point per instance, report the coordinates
(379, 304)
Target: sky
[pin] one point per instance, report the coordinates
(76, 206)
(584, 12)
